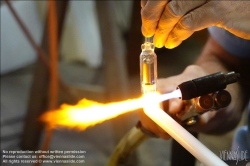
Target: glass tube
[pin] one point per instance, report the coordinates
(148, 67)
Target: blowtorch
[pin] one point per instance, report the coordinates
(204, 94)
(199, 95)
(207, 84)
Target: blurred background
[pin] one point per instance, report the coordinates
(99, 47)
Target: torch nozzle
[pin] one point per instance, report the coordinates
(231, 77)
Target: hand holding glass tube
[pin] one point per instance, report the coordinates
(154, 112)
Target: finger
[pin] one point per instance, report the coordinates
(196, 20)
(175, 106)
(167, 84)
(165, 136)
(162, 133)
(150, 15)
(151, 126)
(202, 123)
(143, 3)
(172, 13)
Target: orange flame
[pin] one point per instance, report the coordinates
(88, 113)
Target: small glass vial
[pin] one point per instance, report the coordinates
(148, 67)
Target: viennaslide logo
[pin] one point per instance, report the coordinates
(236, 156)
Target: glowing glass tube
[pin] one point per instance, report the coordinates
(148, 67)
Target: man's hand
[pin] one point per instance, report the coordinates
(211, 122)
(174, 21)
(175, 105)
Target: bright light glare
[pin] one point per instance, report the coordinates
(175, 94)
(89, 113)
